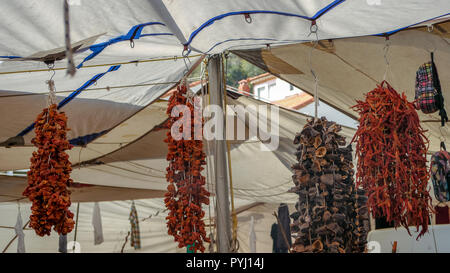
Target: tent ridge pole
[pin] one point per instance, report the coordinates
(220, 158)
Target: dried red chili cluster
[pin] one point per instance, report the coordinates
(186, 192)
(49, 175)
(391, 149)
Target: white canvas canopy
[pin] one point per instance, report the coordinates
(130, 53)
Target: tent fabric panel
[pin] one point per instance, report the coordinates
(345, 19)
(13, 186)
(360, 61)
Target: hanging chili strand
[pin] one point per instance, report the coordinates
(391, 148)
(49, 175)
(186, 191)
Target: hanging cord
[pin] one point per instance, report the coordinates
(76, 228)
(51, 99)
(154, 215)
(386, 51)
(107, 64)
(108, 88)
(234, 243)
(442, 139)
(204, 90)
(313, 30)
(185, 54)
(125, 243)
(71, 70)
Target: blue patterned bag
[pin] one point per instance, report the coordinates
(440, 175)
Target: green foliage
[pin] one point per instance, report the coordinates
(239, 69)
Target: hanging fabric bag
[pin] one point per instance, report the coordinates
(440, 174)
(428, 92)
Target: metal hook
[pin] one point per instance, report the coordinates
(313, 28)
(185, 51)
(430, 28)
(247, 18)
(185, 55)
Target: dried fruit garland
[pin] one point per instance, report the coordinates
(391, 149)
(49, 175)
(186, 192)
(331, 212)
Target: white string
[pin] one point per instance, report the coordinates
(51, 99)
(386, 50)
(313, 30)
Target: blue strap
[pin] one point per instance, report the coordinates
(397, 30)
(84, 140)
(133, 33)
(326, 9)
(219, 17)
(10, 57)
(74, 94)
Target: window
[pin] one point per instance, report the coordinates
(261, 91)
(291, 87)
(271, 89)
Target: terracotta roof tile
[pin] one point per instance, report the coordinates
(295, 102)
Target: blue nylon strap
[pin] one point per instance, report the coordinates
(84, 140)
(326, 9)
(219, 17)
(397, 30)
(133, 33)
(10, 57)
(74, 94)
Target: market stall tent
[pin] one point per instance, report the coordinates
(143, 48)
(117, 80)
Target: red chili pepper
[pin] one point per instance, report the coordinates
(389, 126)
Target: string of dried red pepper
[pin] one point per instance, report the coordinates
(186, 191)
(391, 148)
(49, 175)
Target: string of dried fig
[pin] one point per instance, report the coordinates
(49, 175)
(186, 191)
(331, 212)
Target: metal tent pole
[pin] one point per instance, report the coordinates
(223, 218)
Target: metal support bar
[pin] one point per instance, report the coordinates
(220, 158)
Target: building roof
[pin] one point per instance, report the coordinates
(261, 78)
(295, 102)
